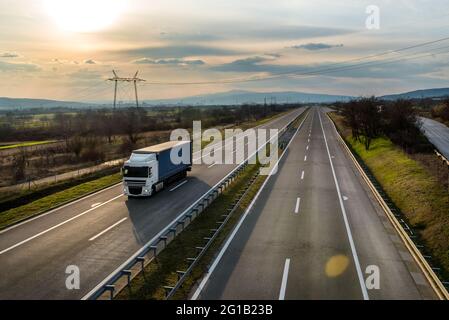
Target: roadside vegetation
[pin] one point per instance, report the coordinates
(56, 199)
(86, 138)
(25, 144)
(403, 162)
(440, 112)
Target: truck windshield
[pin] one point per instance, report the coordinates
(135, 172)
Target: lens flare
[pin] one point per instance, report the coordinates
(84, 15)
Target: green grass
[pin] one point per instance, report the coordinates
(26, 144)
(414, 191)
(148, 286)
(54, 200)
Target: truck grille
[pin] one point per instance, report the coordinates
(135, 190)
(135, 183)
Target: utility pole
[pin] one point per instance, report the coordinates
(118, 79)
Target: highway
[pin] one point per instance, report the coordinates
(97, 234)
(437, 133)
(314, 232)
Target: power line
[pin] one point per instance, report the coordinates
(299, 72)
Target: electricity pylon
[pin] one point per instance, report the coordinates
(118, 79)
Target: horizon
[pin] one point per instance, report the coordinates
(47, 53)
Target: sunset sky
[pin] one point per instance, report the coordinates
(65, 49)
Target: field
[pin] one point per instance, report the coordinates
(25, 144)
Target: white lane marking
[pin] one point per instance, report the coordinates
(57, 226)
(179, 185)
(298, 202)
(242, 219)
(107, 229)
(345, 198)
(212, 165)
(302, 175)
(95, 205)
(284, 280)
(308, 140)
(345, 218)
(224, 143)
(307, 148)
(305, 158)
(57, 209)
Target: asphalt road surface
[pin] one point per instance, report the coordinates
(315, 232)
(438, 135)
(97, 234)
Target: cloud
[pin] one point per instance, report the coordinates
(90, 61)
(250, 64)
(293, 32)
(9, 55)
(85, 74)
(397, 70)
(195, 36)
(317, 46)
(174, 62)
(18, 67)
(177, 51)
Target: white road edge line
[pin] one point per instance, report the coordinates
(284, 280)
(212, 165)
(345, 218)
(57, 209)
(57, 226)
(179, 185)
(107, 229)
(298, 201)
(242, 219)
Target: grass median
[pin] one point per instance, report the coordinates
(54, 200)
(419, 196)
(26, 144)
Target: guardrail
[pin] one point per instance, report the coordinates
(182, 275)
(445, 162)
(149, 252)
(442, 157)
(402, 228)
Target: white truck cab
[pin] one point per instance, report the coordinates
(150, 169)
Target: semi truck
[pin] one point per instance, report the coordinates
(150, 169)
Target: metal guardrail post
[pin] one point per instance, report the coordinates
(127, 273)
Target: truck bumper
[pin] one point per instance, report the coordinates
(137, 191)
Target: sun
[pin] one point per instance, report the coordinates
(84, 15)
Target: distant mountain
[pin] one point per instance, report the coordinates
(242, 97)
(418, 94)
(12, 103)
